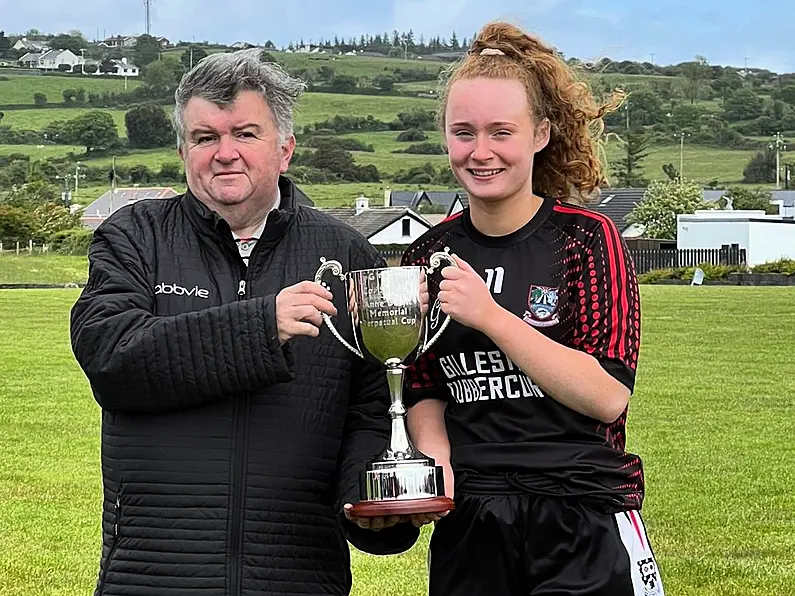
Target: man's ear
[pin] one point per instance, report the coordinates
(288, 148)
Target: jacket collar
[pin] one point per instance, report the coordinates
(209, 222)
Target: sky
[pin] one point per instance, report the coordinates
(727, 32)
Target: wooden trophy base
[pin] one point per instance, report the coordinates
(407, 507)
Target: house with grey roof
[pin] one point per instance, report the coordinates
(30, 45)
(417, 200)
(617, 204)
(383, 225)
(113, 200)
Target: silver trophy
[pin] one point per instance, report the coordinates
(390, 324)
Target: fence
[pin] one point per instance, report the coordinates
(22, 248)
(646, 260)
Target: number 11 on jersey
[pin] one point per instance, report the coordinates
(494, 279)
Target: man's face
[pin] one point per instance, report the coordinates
(232, 154)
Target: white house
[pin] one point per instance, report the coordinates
(383, 225)
(31, 59)
(125, 69)
(53, 59)
(764, 237)
(30, 45)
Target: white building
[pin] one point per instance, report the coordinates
(383, 225)
(764, 237)
(50, 59)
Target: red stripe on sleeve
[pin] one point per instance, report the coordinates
(617, 267)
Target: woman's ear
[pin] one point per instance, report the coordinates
(541, 136)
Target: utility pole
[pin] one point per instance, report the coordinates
(112, 176)
(652, 58)
(66, 194)
(779, 145)
(681, 136)
(147, 10)
(78, 175)
(626, 109)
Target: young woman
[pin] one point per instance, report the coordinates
(524, 397)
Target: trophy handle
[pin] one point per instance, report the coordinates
(336, 269)
(434, 262)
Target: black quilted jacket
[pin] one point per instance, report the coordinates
(226, 458)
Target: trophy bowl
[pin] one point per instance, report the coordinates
(388, 318)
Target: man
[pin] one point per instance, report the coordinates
(233, 431)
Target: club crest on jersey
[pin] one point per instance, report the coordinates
(542, 304)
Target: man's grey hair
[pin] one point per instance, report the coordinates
(221, 77)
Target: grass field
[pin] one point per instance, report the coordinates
(702, 164)
(313, 107)
(20, 89)
(49, 269)
(712, 416)
(34, 119)
(38, 152)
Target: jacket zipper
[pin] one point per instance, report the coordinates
(115, 542)
(240, 434)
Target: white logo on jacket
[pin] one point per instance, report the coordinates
(177, 290)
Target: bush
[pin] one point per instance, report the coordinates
(711, 273)
(423, 149)
(348, 144)
(412, 135)
(785, 266)
(71, 242)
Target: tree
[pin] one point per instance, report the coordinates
(726, 84)
(170, 172)
(39, 99)
(73, 43)
(645, 107)
(628, 171)
(95, 130)
(50, 218)
(15, 223)
(743, 104)
(761, 169)
(162, 77)
(32, 194)
(146, 51)
(743, 198)
(662, 202)
(384, 82)
(148, 127)
(696, 74)
(191, 57)
(786, 94)
(140, 174)
(5, 43)
(108, 66)
(343, 84)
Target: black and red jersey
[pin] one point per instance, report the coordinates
(567, 273)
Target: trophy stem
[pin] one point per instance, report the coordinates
(400, 445)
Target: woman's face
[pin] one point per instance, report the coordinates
(492, 137)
